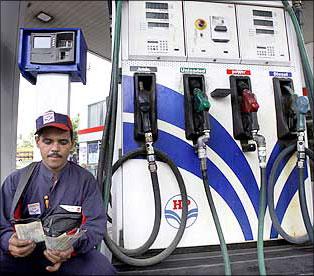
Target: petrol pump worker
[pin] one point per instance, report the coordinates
(55, 181)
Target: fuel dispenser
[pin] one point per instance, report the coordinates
(172, 53)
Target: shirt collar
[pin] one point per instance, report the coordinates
(49, 174)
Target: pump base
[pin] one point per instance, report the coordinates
(280, 258)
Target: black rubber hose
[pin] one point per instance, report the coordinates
(304, 209)
(223, 245)
(297, 240)
(166, 252)
(157, 201)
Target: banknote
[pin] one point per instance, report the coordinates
(30, 231)
(63, 241)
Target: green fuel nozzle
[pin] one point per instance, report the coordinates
(201, 102)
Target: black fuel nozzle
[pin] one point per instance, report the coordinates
(145, 107)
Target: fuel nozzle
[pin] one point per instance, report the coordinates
(144, 106)
(249, 102)
(201, 102)
(249, 105)
(301, 105)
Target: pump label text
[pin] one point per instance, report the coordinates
(280, 74)
(238, 72)
(144, 69)
(187, 70)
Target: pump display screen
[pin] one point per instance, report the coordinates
(160, 6)
(42, 42)
(262, 13)
(260, 22)
(262, 31)
(156, 24)
(156, 15)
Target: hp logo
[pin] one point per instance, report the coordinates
(173, 211)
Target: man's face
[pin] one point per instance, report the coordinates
(54, 145)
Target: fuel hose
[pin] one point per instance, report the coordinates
(261, 216)
(288, 151)
(121, 253)
(223, 245)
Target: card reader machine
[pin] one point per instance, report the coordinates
(53, 48)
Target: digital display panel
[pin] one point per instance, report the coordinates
(262, 13)
(260, 22)
(154, 5)
(263, 31)
(156, 15)
(42, 42)
(156, 24)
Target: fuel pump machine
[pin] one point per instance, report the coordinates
(224, 70)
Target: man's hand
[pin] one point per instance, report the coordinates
(20, 248)
(57, 257)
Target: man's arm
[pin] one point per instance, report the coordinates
(94, 216)
(9, 241)
(6, 196)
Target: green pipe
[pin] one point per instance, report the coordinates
(261, 215)
(114, 102)
(223, 245)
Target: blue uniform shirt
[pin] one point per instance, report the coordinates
(75, 187)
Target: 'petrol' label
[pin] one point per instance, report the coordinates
(238, 72)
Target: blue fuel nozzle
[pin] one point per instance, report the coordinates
(302, 106)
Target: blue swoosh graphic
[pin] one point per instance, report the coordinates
(169, 212)
(184, 157)
(170, 108)
(193, 210)
(192, 215)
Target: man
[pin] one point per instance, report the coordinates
(55, 184)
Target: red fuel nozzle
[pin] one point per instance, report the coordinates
(249, 103)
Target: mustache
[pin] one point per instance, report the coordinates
(55, 155)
